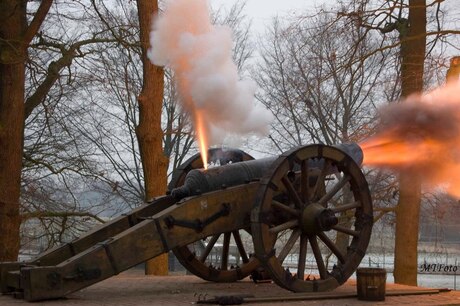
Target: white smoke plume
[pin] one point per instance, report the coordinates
(200, 54)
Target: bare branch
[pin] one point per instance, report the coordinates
(59, 214)
(37, 21)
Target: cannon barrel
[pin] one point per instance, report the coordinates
(200, 181)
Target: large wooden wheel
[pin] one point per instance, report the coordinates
(225, 257)
(312, 219)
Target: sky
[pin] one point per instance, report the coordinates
(262, 11)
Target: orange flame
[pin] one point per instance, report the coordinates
(391, 150)
(421, 136)
(202, 137)
(437, 163)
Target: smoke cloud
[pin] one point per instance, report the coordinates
(200, 54)
(422, 135)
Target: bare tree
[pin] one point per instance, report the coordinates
(315, 85)
(61, 168)
(16, 33)
(408, 211)
(404, 23)
(82, 162)
(385, 34)
(119, 75)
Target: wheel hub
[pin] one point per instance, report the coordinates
(315, 218)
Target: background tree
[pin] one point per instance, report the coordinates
(319, 86)
(413, 43)
(149, 132)
(400, 40)
(316, 82)
(409, 20)
(61, 172)
(16, 33)
(82, 163)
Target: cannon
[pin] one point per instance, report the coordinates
(304, 217)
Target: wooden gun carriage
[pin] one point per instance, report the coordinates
(311, 202)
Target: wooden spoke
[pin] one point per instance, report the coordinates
(345, 179)
(208, 248)
(346, 207)
(285, 208)
(304, 181)
(318, 257)
(284, 226)
(289, 245)
(302, 257)
(225, 249)
(331, 245)
(292, 192)
(240, 246)
(321, 177)
(345, 230)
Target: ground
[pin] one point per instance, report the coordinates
(134, 288)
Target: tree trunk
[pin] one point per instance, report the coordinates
(408, 210)
(12, 77)
(15, 36)
(149, 132)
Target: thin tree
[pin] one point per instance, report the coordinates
(149, 132)
(16, 33)
(61, 170)
(317, 84)
(413, 43)
(409, 21)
